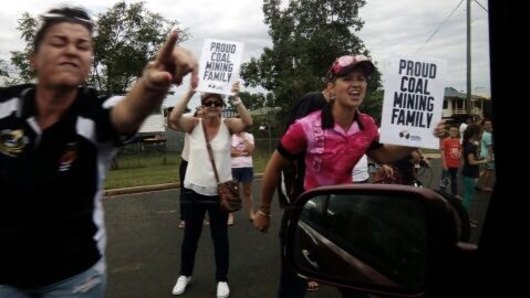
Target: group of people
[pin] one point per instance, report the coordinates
(470, 150)
(58, 139)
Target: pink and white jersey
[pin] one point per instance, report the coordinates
(331, 153)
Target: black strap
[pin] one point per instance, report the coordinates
(210, 153)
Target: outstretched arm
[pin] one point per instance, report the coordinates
(392, 153)
(268, 186)
(169, 67)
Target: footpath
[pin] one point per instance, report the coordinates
(176, 185)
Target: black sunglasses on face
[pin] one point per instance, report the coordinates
(212, 103)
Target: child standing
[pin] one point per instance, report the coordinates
(451, 150)
(470, 170)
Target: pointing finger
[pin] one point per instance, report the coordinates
(167, 49)
(195, 77)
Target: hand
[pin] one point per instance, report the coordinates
(235, 88)
(261, 221)
(439, 130)
(172, 63)
(388, 171)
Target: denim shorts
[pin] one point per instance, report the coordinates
(244, 175)
(88, 284)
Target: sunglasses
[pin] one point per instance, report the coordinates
(345, 61)
(212, 103)
(76, 14)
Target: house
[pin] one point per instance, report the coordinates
(154, 126)
(454, 106)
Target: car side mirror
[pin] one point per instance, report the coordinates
(385, 239)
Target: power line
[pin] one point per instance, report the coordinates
(439, 27)
(481, 6)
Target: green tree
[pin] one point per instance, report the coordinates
(306, 37)
(374, 105)
(3, 68)
(126, 37)
(27, 26)
(253, 101)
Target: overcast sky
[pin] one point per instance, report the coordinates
(392, 28)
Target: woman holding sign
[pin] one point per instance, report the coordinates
(333, 140)
(200, 187)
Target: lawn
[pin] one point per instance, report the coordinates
(138, 171)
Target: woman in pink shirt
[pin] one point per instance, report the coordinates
(333, 140)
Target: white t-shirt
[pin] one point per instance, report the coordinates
(186, 148)
(462, 128)
(360, 170)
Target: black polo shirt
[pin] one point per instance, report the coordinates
(51, 222)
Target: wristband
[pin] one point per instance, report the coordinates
(263, 213)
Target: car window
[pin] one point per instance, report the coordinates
(393, 245)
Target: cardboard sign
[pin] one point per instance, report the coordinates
(219, 65)
(413, 102)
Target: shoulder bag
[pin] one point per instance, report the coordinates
(229, 198)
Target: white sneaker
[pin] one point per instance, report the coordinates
(222, 289)
(180, 286)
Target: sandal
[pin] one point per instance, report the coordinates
(312, 286)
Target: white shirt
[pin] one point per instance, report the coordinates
(462, 128)
(360, 170)
(199, 174)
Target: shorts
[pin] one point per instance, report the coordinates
(244, 175)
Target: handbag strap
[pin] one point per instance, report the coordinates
(210, 153)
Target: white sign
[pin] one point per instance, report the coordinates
(413, 102)
(219, 65)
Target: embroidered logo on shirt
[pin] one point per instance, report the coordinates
(68, 157)
(12, 141)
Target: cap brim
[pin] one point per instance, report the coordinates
(366, 67)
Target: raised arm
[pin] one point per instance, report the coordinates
(169, 67)
(237, 125)
(176, 121)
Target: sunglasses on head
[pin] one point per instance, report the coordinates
(69, 13)
(345, 61)
(212, 103)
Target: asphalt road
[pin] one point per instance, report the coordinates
(143, 250)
